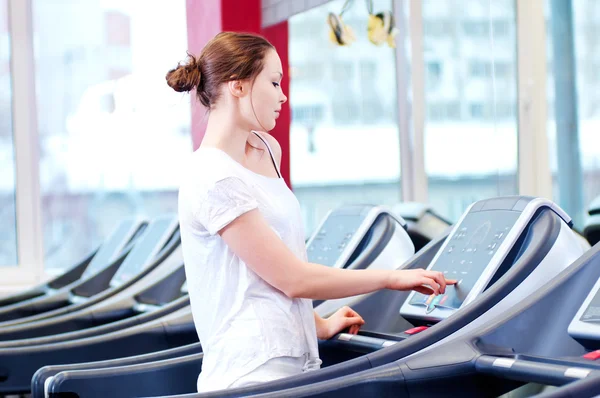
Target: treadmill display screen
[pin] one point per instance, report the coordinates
(144, 251)
(331, 240)
(592, 312)
(467, 255)
(431, 226)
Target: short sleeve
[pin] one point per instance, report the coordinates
(225, 201)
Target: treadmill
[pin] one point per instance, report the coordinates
(154, 257)
(378, 240)
(547, 344)
(521, 243)
(344, 233)
(107, 259)
(357, 237)
(108, 251)
(423, 223)
(158, 293)
(127, 269)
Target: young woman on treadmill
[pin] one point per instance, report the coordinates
(250, 284)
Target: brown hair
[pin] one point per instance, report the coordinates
(228, 56)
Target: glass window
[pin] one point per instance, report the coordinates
(502, 28)
(344, 138)
(574, 103)
(476, 28)
(480, 69)
(470, 126)
(433, 74)
(8, 235)
(477, 110)
(310, 71)
(112, 133)
(438, 28)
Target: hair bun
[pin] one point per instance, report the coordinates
(186, 77)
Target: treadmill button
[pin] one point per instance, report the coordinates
(416, 330)
(594, 355)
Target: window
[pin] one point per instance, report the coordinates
(470, 130)
(433, 74)
(477, 110)
(344, 139)
(574, 104)
(343, 71)
(8, 236)
(310, 72)
(368, 70)
(443, 110)
(372, 110)
(437, 28)
(476, 29)
(112, 133)
(501, 28)
(345, 110)
(481, 28)
(480, 69)
(307, 115)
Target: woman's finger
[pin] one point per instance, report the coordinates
(424, 289)
(349, 312)
(432, 284)
(438, 277)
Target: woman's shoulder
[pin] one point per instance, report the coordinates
(210, 166)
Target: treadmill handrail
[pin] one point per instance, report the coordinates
(72, 274)
(39, 378)
(533, 371)
(101, 329)
(106, 379)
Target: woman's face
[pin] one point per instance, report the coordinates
(266, 96)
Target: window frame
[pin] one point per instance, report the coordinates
(30, 251)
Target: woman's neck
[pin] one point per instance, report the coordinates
(224, 132)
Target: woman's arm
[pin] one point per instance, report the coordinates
(253, 240)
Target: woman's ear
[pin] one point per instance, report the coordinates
(237, 88)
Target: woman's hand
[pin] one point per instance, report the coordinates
(343, 318)
(420, 280)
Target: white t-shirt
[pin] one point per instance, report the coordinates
(241, 320)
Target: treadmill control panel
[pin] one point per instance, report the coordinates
(333, 243)
(592, 312)
(431, 225)
(585, 325)
(468, 255)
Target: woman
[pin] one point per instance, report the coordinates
(249, 280)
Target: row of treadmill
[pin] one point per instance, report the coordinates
(523, 320)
